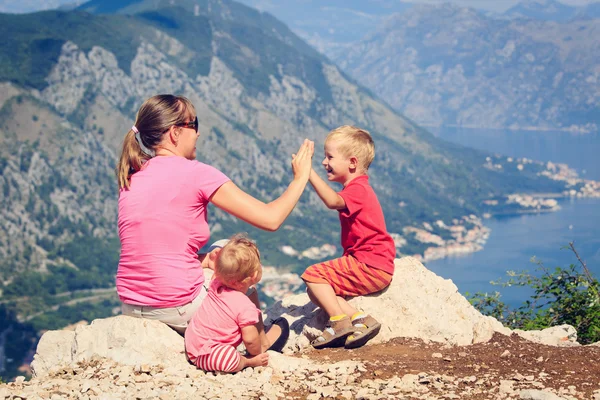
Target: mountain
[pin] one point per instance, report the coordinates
(551, 10)
(335, 22)
(591, 10)
(545, 10)
(25, 6)
(71, 82)
(447, 65)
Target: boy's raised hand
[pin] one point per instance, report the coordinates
(302, 160)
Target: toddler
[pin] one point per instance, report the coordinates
(227, 317)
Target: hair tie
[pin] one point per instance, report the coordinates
(138, 139)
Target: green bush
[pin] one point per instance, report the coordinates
(563, 296)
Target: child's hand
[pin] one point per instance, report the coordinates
(261, 360)
(210, 258)
(302, 160)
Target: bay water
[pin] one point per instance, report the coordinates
(514, 240)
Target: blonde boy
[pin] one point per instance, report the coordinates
(367, 265)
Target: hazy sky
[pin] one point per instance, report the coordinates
(492, 5)
(495, 5)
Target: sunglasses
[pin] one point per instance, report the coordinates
(192, 124)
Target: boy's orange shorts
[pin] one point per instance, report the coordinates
(348, 276)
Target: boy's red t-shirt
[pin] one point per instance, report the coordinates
(364, 235)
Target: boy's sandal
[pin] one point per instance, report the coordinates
(334, 335)
(285, 334)
(365, 329)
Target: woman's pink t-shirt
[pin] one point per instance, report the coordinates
(219, 320)
(162, 225)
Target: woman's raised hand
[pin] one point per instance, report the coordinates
(240, 204)
(302, 160)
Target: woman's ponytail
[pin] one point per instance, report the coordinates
(131, 160)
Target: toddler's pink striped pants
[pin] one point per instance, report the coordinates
(223, 358)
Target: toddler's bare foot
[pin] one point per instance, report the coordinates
(261, 360)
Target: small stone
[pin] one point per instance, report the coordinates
(505, 354)
(85, 386)
(506, 387)
(532, 394)
(437, 355)
(328, 391)
(363, 393)
(518, 377)
(141, 378)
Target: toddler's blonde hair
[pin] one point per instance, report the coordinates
(353, 141)
(237, 261)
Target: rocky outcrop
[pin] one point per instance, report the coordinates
(125, 340)
(418, 304)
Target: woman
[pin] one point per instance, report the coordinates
(164, 193)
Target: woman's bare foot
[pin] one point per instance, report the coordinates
(278, 334)
(261, 360)
(273, 334)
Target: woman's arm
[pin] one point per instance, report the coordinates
(240, 204)
(329, 196)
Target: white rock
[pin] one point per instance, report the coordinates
(417, 304)
(563, 335)
(532, 394)
(126, 340)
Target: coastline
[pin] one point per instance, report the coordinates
(535, 203)
(578, 130)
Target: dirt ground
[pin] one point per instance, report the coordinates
(573, 371)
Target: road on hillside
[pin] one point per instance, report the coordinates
(99, 294)
(91, 291)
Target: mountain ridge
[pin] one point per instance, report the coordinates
(448, 65)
